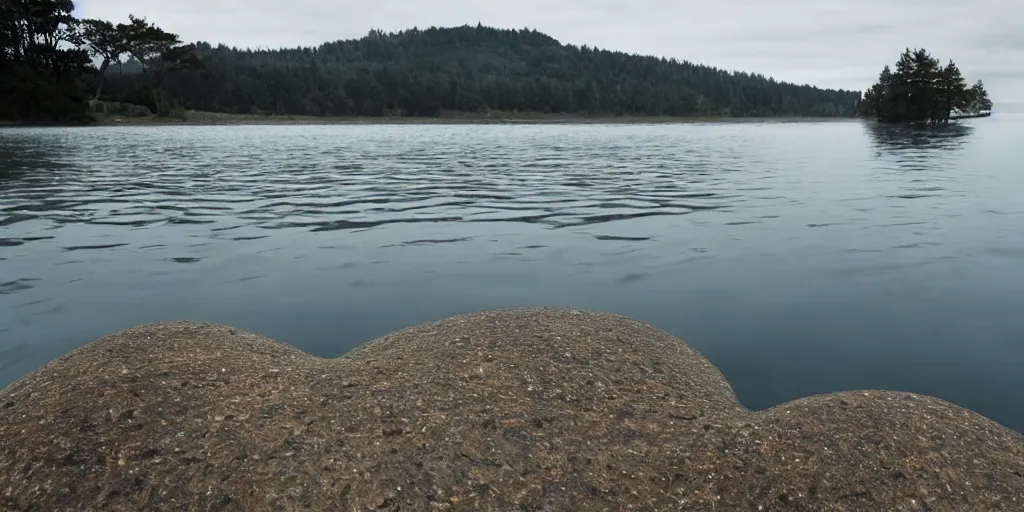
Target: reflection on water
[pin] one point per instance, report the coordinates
(800, 258)
(895, 137)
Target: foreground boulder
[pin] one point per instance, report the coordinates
(541, 409)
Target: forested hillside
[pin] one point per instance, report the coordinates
(474, 69)
(52, 63)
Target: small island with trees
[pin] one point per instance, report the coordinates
(922, 90)
(56, 68)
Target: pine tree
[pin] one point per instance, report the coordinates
(977, 98)
(953, 90)
(920, 90)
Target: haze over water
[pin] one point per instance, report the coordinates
(800, 258)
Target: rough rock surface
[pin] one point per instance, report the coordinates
(543, 409)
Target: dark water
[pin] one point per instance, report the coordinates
(800, 258)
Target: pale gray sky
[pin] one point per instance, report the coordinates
(837, 43)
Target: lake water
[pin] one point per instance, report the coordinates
(801, 258)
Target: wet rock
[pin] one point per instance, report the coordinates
(632, 418)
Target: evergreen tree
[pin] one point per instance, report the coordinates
(977, 98)
(953, 89)
(922, 91)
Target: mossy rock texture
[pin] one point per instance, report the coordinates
(530, 409)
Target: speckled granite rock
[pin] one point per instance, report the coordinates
(542, 409)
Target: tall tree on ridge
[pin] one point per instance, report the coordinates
(107, 42)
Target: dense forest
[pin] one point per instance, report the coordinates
(52, 65)
(55, 67)
(922, 90)
(475, 69)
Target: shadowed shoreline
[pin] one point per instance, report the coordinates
(533, 409)
(216, 118)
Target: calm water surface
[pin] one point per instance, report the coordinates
(800, 258)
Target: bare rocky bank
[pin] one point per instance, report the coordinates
(542, 409)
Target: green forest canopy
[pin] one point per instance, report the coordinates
(473, 69)
(921, 90)
(51, 63)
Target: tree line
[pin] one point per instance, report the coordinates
(922, 90)
(479, 69)
(53, 64)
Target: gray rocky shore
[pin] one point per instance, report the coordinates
(540, 409)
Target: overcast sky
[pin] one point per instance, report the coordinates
(829, 43)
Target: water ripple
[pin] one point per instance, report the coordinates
(244, 185)
(93, 247)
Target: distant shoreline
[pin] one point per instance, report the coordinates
(198, 118)
(214, 118)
